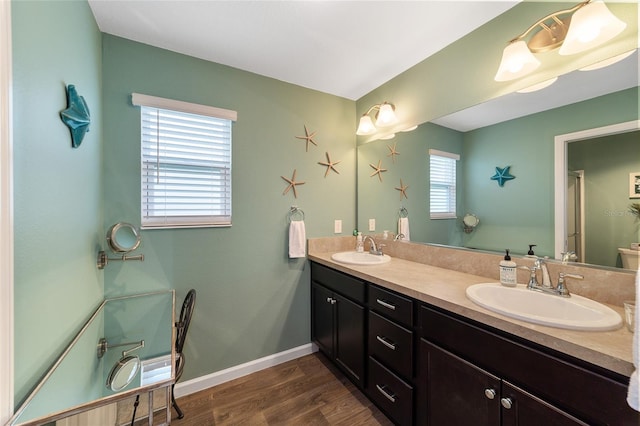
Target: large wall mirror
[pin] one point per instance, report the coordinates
(516, 131)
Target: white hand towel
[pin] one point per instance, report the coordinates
(297, 239)
(633, 394)
(403, 228)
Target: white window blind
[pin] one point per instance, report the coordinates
(442, 176)
(186, 167)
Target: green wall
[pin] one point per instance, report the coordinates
(57, 189)
(252, 301)
(381, 200)
(607, 162)
(522, 211)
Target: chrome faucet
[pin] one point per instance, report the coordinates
(559, 290)
(542, 266)
(373, 248)
(399, 237)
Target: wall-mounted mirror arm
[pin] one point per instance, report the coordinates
(122, 238)
(103, 259)
(103, 346)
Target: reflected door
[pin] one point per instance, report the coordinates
(575, 218)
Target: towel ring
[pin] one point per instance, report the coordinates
(296, 212)
(403, 212)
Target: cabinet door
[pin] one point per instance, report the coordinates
(322, 318)
(523, 409)
(350, 337)
(457, 392)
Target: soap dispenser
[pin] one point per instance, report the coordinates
(359, 243)
(508, 274)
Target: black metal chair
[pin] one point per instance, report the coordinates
(182, 326)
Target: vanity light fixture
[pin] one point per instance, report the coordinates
(538, 86)
(385, 117)
(582, 27)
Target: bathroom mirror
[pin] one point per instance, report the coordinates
(469, 222)
(123, 237)
(488, 136)
(123, 373)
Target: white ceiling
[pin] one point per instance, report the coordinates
(345, 48)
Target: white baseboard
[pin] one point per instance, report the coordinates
(204, 382)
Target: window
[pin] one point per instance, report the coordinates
(442, 176)
(186, 163)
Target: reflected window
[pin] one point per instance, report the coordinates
(442, 178)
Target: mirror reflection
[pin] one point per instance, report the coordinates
(520, 213)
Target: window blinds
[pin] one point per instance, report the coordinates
(442, 196)
(186, 169)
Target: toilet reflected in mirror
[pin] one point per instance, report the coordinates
(122, 238)
(630, 258)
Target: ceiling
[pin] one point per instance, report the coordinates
(344, 48)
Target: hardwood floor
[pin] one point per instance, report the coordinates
(305, 391)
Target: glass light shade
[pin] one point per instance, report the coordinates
(365, 127)
(608, 62)
(386, 116)
(591, 25)
(538, 86)
(517, 61)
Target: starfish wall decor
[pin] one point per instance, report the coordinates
(502, 175)
(308, 137)
(330, 165)
(378, 170)
(76, 117)
(392, 152)
(403, 190)
(292, 184)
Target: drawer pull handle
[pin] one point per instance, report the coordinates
(386, 304)
(382, 389)
(490, 393)
(331, 300)
(506, 403)
(386, 343)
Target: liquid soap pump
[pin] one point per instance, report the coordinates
(508, 274)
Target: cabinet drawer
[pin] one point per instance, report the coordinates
(337, 281)
(394, 306)
(565, 383)
(390, 393)
(391, 344)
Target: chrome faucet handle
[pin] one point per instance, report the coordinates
(561, 288)
(533, 279)
(380, 246)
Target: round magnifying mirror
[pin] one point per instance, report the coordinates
(123, 237)
(471, 220)
(123, 373)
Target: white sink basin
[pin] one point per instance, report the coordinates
(575, 312)
(355, 258)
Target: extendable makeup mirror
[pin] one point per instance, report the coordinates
(122, 238)
(125, 370)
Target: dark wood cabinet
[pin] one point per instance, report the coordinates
(428, 366)
(337, 322)
(457, 391)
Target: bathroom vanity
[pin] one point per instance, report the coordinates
(405, 334)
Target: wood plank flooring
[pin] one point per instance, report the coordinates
(306, 391)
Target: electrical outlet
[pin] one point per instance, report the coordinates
(337, 226)
(372, 224)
